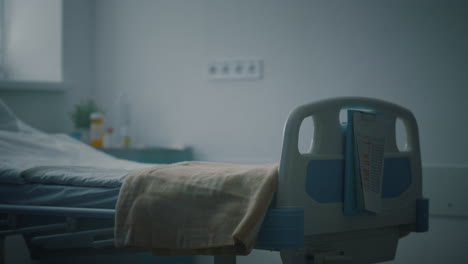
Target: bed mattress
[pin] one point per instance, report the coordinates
(56, 170)
(58, 195)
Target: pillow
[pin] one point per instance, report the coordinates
(9, 122)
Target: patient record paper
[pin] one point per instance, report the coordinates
(369, 145)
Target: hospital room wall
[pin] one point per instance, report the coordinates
(412, 53)
(409, 52)
(43, 105)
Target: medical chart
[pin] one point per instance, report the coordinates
(369, 145)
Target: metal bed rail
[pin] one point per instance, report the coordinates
(62, 237)
(60, 233)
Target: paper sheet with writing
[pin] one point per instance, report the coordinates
(369, 145)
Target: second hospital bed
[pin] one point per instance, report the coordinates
(305, 220)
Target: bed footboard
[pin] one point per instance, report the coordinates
(313, 183)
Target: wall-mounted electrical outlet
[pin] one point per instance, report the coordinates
(248, 69)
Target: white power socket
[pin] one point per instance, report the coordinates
(248, 69)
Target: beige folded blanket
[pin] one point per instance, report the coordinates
(194, 208)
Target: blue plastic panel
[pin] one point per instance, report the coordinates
(422, 215)
(282, 229)
(324, 182)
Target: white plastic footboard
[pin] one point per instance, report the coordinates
(328, 144)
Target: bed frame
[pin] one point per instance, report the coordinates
(305, 221)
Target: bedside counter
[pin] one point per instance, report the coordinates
(151, 155)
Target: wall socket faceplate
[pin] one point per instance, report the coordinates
(236, 69)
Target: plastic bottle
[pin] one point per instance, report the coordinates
(97, 129)
(109, 138)
(122, 111)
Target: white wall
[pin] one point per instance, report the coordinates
(79, 54)
(413, 53)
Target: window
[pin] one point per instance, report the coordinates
(2, 45)
(31, 40)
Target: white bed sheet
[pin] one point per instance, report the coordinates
(58, 159)
(28, 155)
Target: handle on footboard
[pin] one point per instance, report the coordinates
(328, 136)
(328, 130)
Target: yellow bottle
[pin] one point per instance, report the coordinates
(97, 130)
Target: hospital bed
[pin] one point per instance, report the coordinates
(305, 222)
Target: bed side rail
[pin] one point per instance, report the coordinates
(63, 225)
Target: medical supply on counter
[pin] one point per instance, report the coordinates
(122, 120)
(126, 141)
(108, 138)
(97, 129)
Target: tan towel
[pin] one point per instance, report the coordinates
(194, 208)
